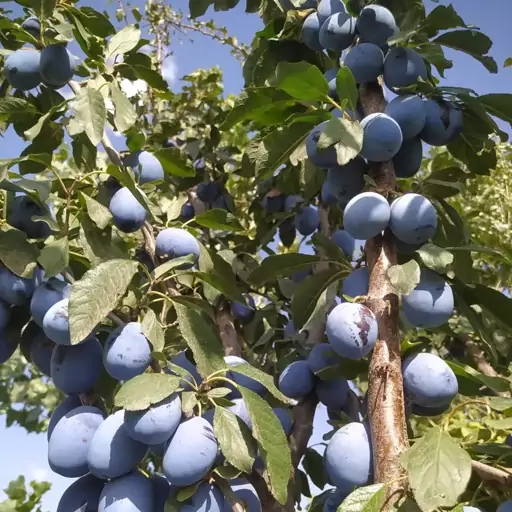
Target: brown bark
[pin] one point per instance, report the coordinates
(385, 387)
(228, 333)
(490, 474)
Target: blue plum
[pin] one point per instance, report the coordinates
(337, 32)
(191, 452)
(298, 277)
(56, 323)
(112, 452)
(407, 161)
(413, 219)
(307, 220)
(291, 202)
(172, 243)
(41, 351)
(508, 440)
(21, 69)
(330, 76)
(242, 380)
(187, 212)
(84, 492)
(366, 215)
(46, 295)
(33, 26)
(376, 24)
(15, 290)
(207, 498)
(356, 283)
(244, 313)
(333, 393)
(352, 248)
(506, 506)
(429, 412)
(431, 303)
(220, 203)
(19, 215)
(310, 32)
(127, 213)
(155, 425)
(347, 458)
(410, 112)
(57, 66)
(320, 157)
(382, 137)
(297, 380)
(322, 356)
(5, 314)
(428, 380)
(285, 418)
(273, 203)
(244, 491)
(182, 361)
(326, 8)
(289, 330)
(334, 500)
(71, 439)
(366, 61)
(402, 68)
(130, 493)
(127, 352)
(146, 166)
(443, 123)
(76, 369)
(472, 509)
(161, 492)
(208, 191)
(352, 330)
(344, 182)
(68, 404)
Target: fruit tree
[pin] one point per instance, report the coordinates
(337, 236)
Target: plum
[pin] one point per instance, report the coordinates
(19, 215)
(366, 215)
(33, 26)
(298, 277)
(356, 283)
(334, 500)
(307, 220)
(344, 182)
(310, 32)
(57, 66)
(191, 452)
(508, 440)
(506, 506)
(347, 458)
(297, 380)
(289, 330)
(21, 69)
(366, 61)
(112, 452)
(207, 498)
(242, 380)
(130, 493)
(127, 352)
(127, 213)
(84, 492)
(320, 157)
(68, 404)
(326, 8)
(187, 212)
(428, 380)
(174, 243)
(161, 491)
(443, 122)
(182, 361)
(274, 203)
(76, 369)
(402, 68)
(70, 441)
(9, 342)
(45, 296)
(284, 417)
(407, 161)
(56, 323)
(154, 425)
(410, 112)
(145, 165)
(333, 393)
(322, 356)
(352, 330)
(5, 314)
(431, 303)
(352, 248)
(337, 32)
(41, 351)
(208, 191)
(242, 312)
(382, 137)
(413, 219)
(376, 24)
(15, 290)
(429, 412)
(220, 203)
(330, 76)
(244, 491)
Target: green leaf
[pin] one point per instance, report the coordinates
(365, 499)
(497, 384)
(43, 9)
(309, 291)
(202, 339)
(145, 390)
(438, 469)
(508, 62)
(346, 88)
(35, 130)
(404, 278)
(98, 213)
(195, 303)
(501, 404)
(498, 105)
(435, 258)
(345, 135)
(17, 254)
(166, 267)
(124, 41)
(226, 287)
(218, 218)
(12, 107)
(281, 265)
(235, 440)
(314, 467)
(54, 257)
(272, 441)
(301, 80)
(174, 162)
(90, 112)
(96, 294)
(503, 424)
(152, 329)
(125, 115)
(443, 17)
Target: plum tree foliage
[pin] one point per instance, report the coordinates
(159, 315)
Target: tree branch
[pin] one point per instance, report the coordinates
(491, 474)
(228, 333)
(385, 392)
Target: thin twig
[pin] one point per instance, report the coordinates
(491, 474)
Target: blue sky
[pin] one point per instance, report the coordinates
(24, 453)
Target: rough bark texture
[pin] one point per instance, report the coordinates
(490, 474)
(228, 333)
(385, 392)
